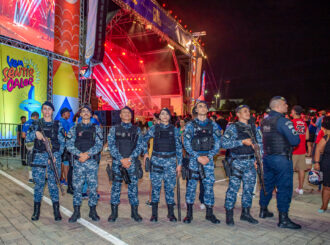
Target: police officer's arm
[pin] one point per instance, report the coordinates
(187, 140)
(112, 144)
(139, 145)
(61, 138)
(286, 128)
(229, 138)
(217, 140)
(71, 138)
(178, 146)
(150, 134)
(98, 142)
(31, 133)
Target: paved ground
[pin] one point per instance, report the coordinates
(16, 206)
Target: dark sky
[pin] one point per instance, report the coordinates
(264, 47)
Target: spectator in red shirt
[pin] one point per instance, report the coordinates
(299, 152)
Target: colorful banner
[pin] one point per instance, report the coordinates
(65, 88)
(23, 83)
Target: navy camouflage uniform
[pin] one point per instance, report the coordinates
(167, 170)
(87, 170)
(208, 182)
(116, 157)
(242, 165)
(40, 162)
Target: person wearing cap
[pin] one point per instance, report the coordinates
(29, 146)
(84, 142)
(202, 142)
(55, 132)
(125, 142)
(299, 152)
(238, 138)
(165, 161)
(66, 158)
(279, 138)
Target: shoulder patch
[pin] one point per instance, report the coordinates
(218, 132)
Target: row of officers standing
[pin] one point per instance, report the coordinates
(202, 140)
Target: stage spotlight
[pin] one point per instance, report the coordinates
(107, 79)
(164, 5)
(185, 26)
(141, 61)
(128, 89)
(170, 46)
(180, 21)
(123, 53)
(114, 67)
(175, 17)
(116, 90)
(140, 89)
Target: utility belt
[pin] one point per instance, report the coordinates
(93, 157)
(123, 175)
(243, 157)
(163, 156)
(38, 165)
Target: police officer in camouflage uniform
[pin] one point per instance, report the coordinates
(279, 136)
(125, 143)
(237, 138)
(84, 142)
(202, 143)
(166, 160)
(55, 132)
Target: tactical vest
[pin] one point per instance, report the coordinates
(126, 139)
(85, 137)
(241, 135)
(203, 137)
(274, 143)
(51, 132)
(164, 140)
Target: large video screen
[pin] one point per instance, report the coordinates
(29, 21)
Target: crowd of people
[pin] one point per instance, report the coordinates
(173, 145)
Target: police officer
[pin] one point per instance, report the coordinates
(237, 138)
(84, 142)
(54, 131)
(279, 136)
(166, 160)
(202, 143)
(125, 143)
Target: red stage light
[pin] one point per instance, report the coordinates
(180, 21)
(107, 79)
(203, 44)
(119, 79)
(175, 17)
(190, 31)
(141, 61)
(136, 89)
(170, 11)
(128, 89)
(139, 78)
(131, 79)
(116, 90)
(134, 78)
(164, 5)
(114, 67)
(123, 53)
(144, 78)
(140, 89)
(185, 26)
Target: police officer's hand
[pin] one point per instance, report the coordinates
(255, 165)
(247, 142)
(317, 166)
(126, 162)
(40, 136)
(203, 160)
(178, 170)
(83, 157)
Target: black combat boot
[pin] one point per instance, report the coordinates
(134, 214)
(210, 216)
(75, 215)
(114, 213)
(154, 215)
(93, 214)
(230, 217)
(264, 213)
(57, 214)
(285, 222)
(170, 215)
(189, 216)
(36, 211)
(70, 190)
(247, 216)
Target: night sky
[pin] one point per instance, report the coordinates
(264, 48)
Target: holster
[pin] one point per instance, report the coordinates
(185, 168)
(138, 169)
(110, 172)
(124, 174)
(201, 171)
(227, 167)
(148, 165)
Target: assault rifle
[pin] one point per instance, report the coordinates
(257, 155)
(52, 162)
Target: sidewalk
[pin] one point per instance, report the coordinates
(17, 206)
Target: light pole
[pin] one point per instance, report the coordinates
(217, 96)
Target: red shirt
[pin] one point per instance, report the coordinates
(319, 136)
(301, 128)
